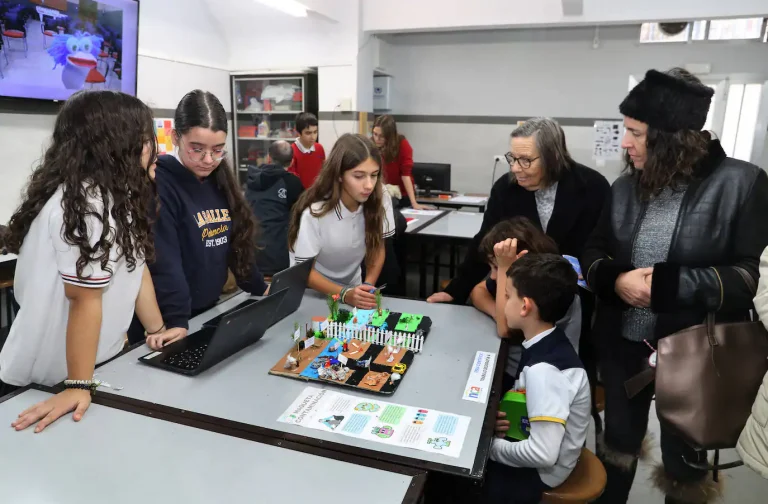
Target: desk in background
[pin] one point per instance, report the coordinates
(240, 394)
(454, 229)
(469, 200)
(115, 456)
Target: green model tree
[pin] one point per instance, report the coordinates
(378, 302)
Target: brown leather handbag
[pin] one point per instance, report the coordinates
(707, 378)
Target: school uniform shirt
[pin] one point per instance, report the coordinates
(338, 240)
(559, 408)
(307, 163)
(400, 167)
(35, 351)
(570, 324)
(193, 236)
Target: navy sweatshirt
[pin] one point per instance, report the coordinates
(271, 192)
(193, 235)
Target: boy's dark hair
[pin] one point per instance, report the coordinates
(549, 280)
(529, 238)
(304, 121)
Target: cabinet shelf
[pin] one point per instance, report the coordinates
(296, 90)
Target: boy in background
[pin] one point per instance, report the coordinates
(308, 155)
(540, 288)
(271, 191)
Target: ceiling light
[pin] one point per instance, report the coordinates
(291, 7)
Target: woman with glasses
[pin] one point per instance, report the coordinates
(560, 196)
(204, 224)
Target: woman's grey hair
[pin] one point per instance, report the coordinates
(550, 142)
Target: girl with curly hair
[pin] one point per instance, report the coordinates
(82, 235)
(204, 225)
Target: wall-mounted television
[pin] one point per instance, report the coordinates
(50, 49)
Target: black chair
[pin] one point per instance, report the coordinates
(15, 29)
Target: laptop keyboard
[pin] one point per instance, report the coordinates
(188, 359)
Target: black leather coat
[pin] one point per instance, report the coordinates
(723, 222)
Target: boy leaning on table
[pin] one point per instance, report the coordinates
(539, 289)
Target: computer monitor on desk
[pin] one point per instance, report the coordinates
(432, 177)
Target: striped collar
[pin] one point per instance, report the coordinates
(342, 212)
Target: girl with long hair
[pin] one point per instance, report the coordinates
(204, 225)
(342, 220)
(397, 155)
(82, 235)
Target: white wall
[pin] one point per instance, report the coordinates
(428, 15)
(526, 73)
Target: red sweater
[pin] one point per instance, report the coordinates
(400, 167)
(307, 165)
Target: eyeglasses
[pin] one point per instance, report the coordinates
(199, 154)
(524, 162)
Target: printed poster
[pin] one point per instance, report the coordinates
(163, 128)
(607, 144)
(480, 377)
(378, 421)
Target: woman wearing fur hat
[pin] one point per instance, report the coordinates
(663, 255)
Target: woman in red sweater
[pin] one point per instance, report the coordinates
(398, 158)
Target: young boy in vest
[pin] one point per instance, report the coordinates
(540, 288)
(308, 154)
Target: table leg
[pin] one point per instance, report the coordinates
(454, 252)
(423, 270)
(436, 271)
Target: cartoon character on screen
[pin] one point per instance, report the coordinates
(78, 55)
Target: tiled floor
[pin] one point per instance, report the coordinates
(741, 485)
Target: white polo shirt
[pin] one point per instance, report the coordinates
(35, 351)
(338, 240)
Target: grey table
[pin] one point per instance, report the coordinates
(457, 224)
(453, 229)
(422, 220)
(119, 457)
(441, 202)
(241, 394)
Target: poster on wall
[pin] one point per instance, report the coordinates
(607, 145)
(163, 128)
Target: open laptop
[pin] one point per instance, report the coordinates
(293, 280)
(212, 344)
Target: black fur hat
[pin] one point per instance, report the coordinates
(668, 103)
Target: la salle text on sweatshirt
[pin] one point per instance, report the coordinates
(193, 236)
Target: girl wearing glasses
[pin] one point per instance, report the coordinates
(204, 225)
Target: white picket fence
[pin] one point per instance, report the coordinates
(407, 341)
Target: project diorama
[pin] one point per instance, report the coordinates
(364, 349)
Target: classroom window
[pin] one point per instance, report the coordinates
(708, 123)
(652, 33)
(735, 29)
(699, 30)
(741, 112)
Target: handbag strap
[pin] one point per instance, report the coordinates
(748, 279)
